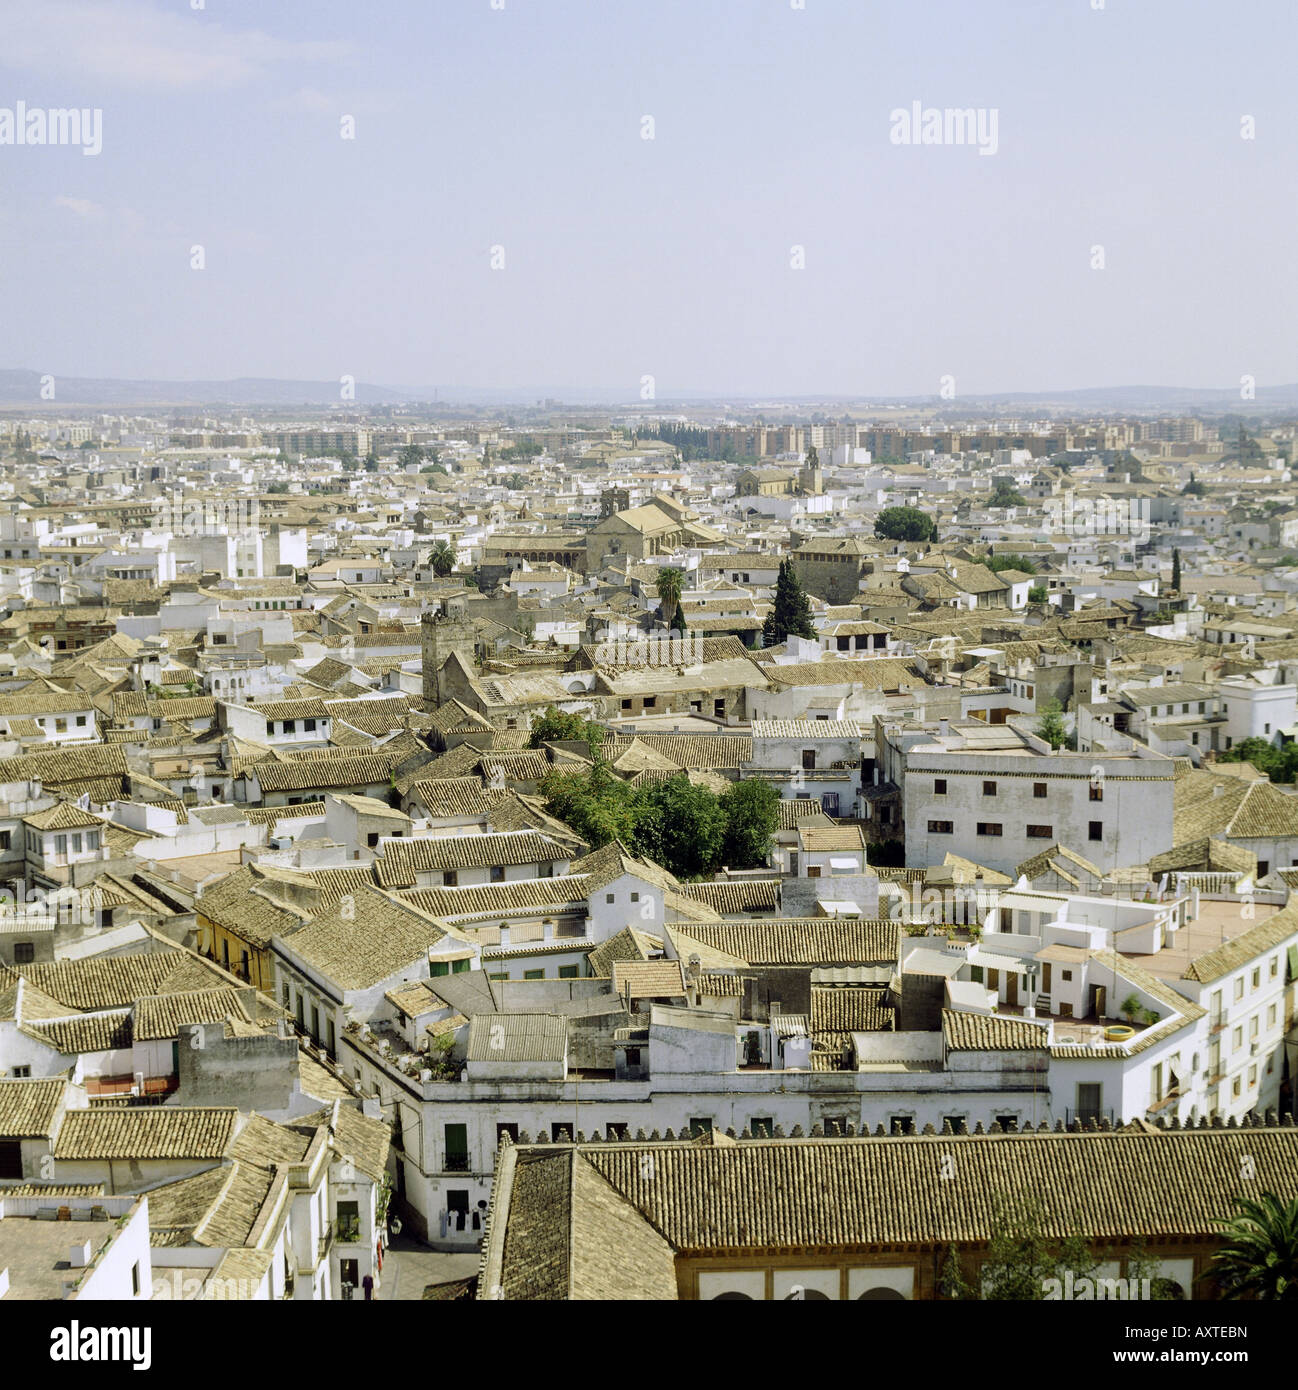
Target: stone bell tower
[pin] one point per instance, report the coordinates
(444, 629)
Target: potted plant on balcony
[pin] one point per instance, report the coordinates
(1130, 1008)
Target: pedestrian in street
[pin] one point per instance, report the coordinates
(368, 1285)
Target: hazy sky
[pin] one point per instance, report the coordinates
(521, 127)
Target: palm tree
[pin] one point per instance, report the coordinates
(443, 559)
(669, 592)
(1260, 1257)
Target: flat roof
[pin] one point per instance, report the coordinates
(36, 1252)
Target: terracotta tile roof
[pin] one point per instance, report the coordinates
(648, 979)
(803, 940)
(736, 896)
(28, 1108)
(1275, 931)
(517, 1037)
(402, 860)
(150, 1132)
(850, 1009)
(966, 1032)
(771, 1194)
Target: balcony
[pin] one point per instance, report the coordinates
(326, 1240)
(456, 1163)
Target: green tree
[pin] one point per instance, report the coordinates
(670, 582)
(556, 726)
(752, 811)
(905, 524)
(790, 614)
(1005, 494)
(1194, 488)
(1021, 1257)
(680, 826)
(597, 804)
(1038, 593)
(998, 563)
(1050, 725)
(1176, 569)
(1259, 1259)
(442, 558)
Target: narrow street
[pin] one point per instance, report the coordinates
(409, 1266)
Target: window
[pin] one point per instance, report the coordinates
(497, 873)
(1257, 977)
(763, 1128)
(567, 972)
(1239, 988)
(1096, 830)
(135, 1279)
(1039, 790)
(24, 952)
(1270, 1017)
(456, 1138)
(438, 968)
(508, 1127)
(809, 759)
(1040, 832)
(610, 897)
(349, 1222)
(939, 786)
(900, 1124)
(989, 827)
(534, 974)
(372, 839)
(450, 879)
(989, 788)
(92, 839)
(1009, 1123)
(1066, 975)
(1275, 966)
(701, 1125)
(941, 827)
(635, 897)
(60, 844)
(1097, 792)
(1237, 1039)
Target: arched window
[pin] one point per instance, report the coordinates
(880, 1295)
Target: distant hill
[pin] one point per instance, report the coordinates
(23, 388)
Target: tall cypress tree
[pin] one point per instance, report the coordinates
(1176, 570)
(791, 614)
